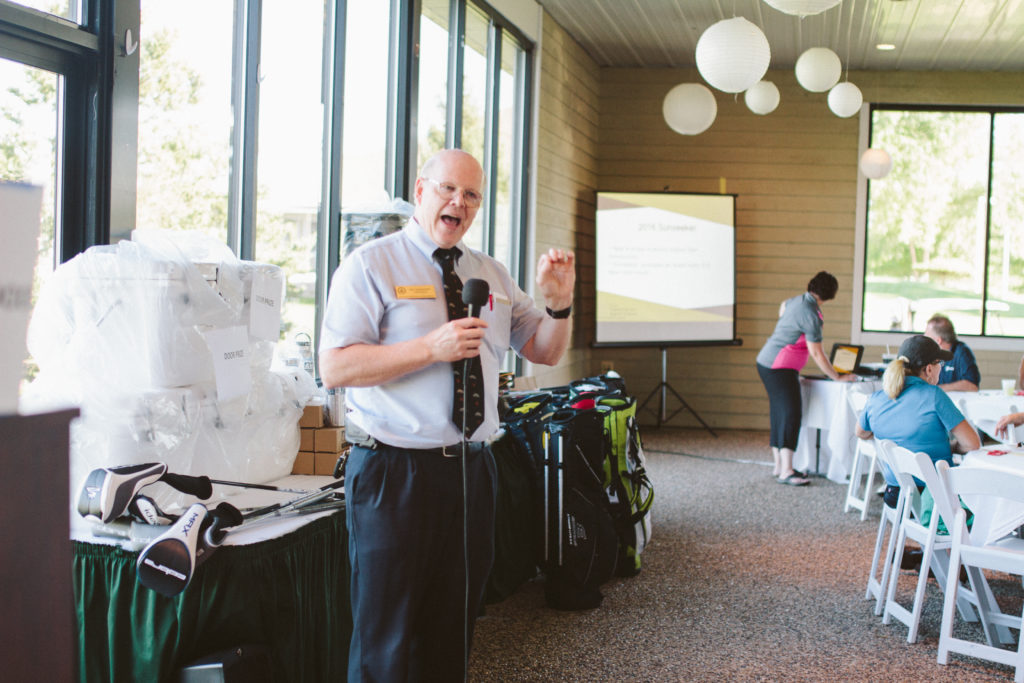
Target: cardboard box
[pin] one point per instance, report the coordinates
(303, 463)
(323, 463)
(329, 440)
(306, 439)
(312, 417)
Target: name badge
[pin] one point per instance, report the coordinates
(415, 292)
(502, 300)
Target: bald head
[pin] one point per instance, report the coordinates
(450, 157)
(445, 182)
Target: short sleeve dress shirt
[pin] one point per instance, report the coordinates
(920, 420)
(390, 290)
(801, 322)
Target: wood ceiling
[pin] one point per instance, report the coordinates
(927, 35)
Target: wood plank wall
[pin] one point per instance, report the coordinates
(795, 174)
(567, 139)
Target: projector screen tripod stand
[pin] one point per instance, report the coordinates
(663, 388)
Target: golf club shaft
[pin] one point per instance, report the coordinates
(298, 502)
(264, 487)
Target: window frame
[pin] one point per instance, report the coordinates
(893, 339)
(45, 41)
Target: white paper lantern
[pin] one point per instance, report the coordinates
(762, 97)
(733, 55)
(818, 69)
(875, 163)
(689, 108)
(803, 8)
(845, 99)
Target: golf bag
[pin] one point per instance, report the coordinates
(581, 446)
(600, 385)
(524, 422)
(579, 539)
(626, 484)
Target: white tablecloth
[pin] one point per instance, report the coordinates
(825, 407)
(243, 499)
(1006, 515)
(983, 408)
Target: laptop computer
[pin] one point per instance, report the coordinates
(846, 359)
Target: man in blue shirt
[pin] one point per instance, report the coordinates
(961, 373)
(388, 338)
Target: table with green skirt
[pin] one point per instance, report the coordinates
(287, 595)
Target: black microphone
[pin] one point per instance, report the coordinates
(474, 295)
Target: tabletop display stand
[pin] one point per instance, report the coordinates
(664, 387)
(39, 617)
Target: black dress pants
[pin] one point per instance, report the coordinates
(405, 524)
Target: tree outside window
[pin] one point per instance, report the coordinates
(932, 243)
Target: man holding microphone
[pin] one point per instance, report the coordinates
(397, 335)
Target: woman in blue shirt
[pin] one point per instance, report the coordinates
(913, 412)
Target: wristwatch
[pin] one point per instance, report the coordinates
(561, 313)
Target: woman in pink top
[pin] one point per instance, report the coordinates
(797, 335)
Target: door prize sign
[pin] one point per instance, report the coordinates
(231, 371)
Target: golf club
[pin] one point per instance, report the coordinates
(166, 565)
(144, 510)
(106, 492)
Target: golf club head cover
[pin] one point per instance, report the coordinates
(200, 487)
(223, 517)
(108, 491)
(144, 510)
(167, 563)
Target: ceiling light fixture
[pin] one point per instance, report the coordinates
(762, 97)
(802, 8)
(845, 99)
(875, 163)
(885, 47)
(732, 55)
(689, 108)
(818, 69)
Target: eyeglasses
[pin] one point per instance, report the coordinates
(448, 191)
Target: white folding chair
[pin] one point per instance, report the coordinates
(972, 551)
(907, 465)
(889, 521)
(865, 463)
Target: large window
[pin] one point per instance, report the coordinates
(66, 9)
(943, 228)
(259, 122)
(185, 116)
(289, 164)
(432, 84)
(363, 174)
(28, 153)
(50, 92)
